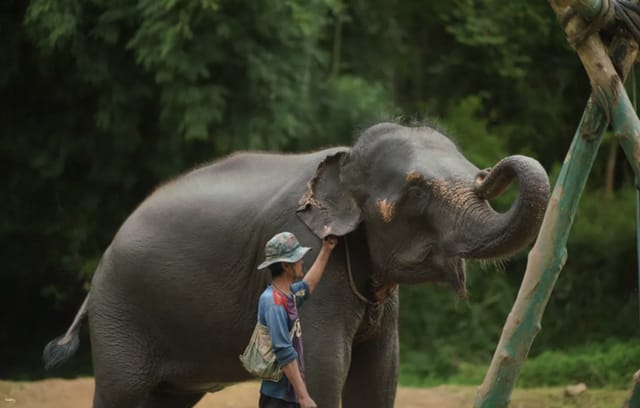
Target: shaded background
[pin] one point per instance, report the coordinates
(102, 100)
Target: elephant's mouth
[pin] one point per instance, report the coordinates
(434, 266)
(450, 270)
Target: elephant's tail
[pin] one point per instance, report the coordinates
(60, 349)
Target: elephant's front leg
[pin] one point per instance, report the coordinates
(327, 359)
(373, 376)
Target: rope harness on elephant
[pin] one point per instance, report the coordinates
(375, 308)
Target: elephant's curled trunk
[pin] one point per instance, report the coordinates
(491, 234)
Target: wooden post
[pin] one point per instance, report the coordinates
(608, 101)
(634, 397)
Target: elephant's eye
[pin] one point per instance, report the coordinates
(416, 193)
(416, 201)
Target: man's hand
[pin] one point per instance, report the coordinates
(307, 403)
(330, 242)
(292, 371)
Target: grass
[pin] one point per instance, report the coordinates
(609, 364)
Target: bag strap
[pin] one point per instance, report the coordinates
(296, 329)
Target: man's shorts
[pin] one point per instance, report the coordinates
(268, 402)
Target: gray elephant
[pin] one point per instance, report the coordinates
(173, 301)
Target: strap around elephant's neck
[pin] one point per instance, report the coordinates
(352, 284)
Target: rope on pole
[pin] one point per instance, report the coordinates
(601, 15)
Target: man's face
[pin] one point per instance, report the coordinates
(297, 270)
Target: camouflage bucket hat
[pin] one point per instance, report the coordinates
(283, 247)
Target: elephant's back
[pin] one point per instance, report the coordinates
(240, 185)
(221, 203)
(190, 250)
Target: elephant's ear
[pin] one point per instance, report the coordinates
(326, 201)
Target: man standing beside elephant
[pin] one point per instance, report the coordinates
(278, 311)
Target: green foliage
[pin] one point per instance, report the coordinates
(602, 254)
(501, 31)
(500, 51)
(347, 101)
(440, 333)
(610, 363)
(470, 128)
(607, 364)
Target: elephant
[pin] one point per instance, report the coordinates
(173, 300)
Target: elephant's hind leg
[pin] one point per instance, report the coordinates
(122, 379)
(109, 395)
(124, 375)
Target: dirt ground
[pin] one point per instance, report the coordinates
(58, 393)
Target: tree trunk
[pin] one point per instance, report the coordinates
(634, 397)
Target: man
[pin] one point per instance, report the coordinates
(277, 310)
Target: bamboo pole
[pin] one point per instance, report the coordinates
(605, 83)
(548, 255)
(634, 397)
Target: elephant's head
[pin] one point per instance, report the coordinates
(424, 205)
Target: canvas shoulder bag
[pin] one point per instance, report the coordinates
(258, 357)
